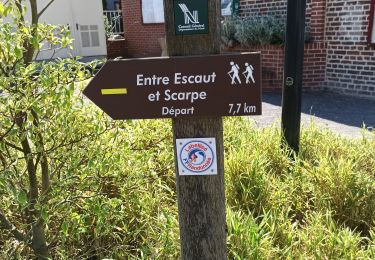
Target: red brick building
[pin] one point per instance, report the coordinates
(142, 39)
(339, 57)
(350, 58)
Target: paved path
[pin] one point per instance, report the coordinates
(342, 114)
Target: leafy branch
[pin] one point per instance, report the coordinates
(7, 225)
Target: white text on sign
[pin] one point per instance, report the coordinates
(178, 96)
(179, 79)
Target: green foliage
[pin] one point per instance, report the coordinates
(17, 37)
(248, 239)
(228, 30)
(107, 27)
(344, 173)
(104, 189)
(255, 30)
(322, 238)
(319, 206)
(43, 123)
(260, 30)
(120, 203)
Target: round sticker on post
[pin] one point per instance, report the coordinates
(196, 156)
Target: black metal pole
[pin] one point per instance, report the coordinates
(293, 73)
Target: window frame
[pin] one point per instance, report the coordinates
(371, 28)
(149, 23)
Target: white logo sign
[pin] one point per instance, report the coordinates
(196, 156)
(234, 73)
(190, 17)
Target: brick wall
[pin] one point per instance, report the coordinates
(142, 39)
(116, 48)
(343, 59)
(315, 10)
(350, 61)
(257, 7)
(316, 14)
(273, 65)
(273, 56)
(338, 58)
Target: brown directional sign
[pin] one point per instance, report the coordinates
(217, 85)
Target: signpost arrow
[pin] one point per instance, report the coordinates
(215, 85)
(195, 91)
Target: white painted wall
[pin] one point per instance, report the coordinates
(85, 20)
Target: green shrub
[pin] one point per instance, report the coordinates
(228, 30)
(319, 206)
(322, 238)
(256, 30)
(247, 239)
(121, 202)
(260, 30)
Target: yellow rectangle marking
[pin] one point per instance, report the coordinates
(114, 91)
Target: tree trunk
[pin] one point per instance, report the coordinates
(201, 199)
(38, 238)
(29, 49)
(38, 242)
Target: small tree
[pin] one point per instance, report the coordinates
(40, 121)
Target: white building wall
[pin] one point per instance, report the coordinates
(86, 23)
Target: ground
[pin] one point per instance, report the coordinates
(342, 114)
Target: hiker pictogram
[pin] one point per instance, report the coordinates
(248, 73)
(235, 69)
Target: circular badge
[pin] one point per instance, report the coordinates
(196, 156)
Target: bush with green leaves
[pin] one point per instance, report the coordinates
(228, 30)
(38, 115)
(71, 186)
(260, 30)
(255, 30)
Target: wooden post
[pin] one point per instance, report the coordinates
(293, 73)
(201, 199)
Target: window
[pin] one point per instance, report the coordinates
(153, 11)
(89, 35)
(371, 27)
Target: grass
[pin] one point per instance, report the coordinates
(319, 206)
